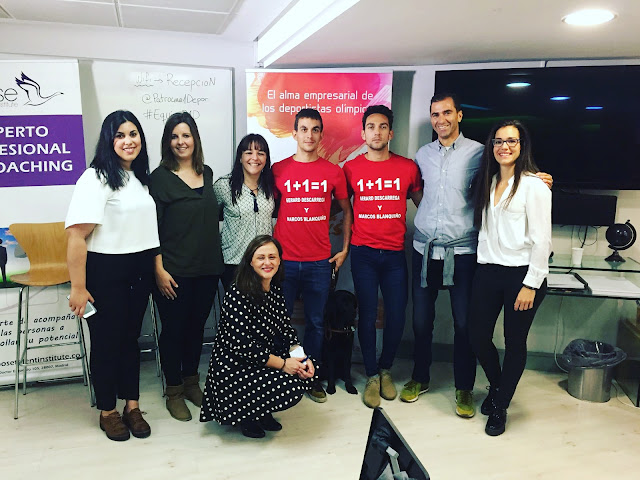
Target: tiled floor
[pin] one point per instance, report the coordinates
(550, 435)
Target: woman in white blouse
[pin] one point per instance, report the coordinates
(513, 211)
(113, 239)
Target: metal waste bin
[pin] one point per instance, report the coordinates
(590, 384)
(590, 365)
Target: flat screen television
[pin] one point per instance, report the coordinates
(584, 121)
(387, 455)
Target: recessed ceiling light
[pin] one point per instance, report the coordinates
(518, 84)
(559, 98)
(594, 107)
(592, 16)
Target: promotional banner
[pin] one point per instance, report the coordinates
(41, 141)
(275, 96)
(41, 156)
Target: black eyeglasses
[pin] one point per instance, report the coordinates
(255, 202)
(498, 142)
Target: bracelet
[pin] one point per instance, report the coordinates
(529, 288)
(284, 363)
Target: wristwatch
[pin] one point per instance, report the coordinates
(529, 288)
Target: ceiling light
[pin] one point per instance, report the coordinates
(518, 84)
(304, 19)
(594, 107)
(559, 98)
(593, 16)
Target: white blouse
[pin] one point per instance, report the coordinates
(519, 233)
(125, 219)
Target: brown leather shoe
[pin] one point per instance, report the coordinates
(138, 426)
(113, 426)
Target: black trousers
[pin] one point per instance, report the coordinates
(183, 322)
(495, 287)
(120, 285)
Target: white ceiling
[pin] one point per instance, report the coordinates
(241, 20)
(373, 32)
(418, 32)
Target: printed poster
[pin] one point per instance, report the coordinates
(41, 157)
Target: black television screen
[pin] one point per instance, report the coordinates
(387, 455)
(584, 121)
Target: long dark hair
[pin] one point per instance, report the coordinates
(247, 280)
(265, 182)
(489, 168)
(106, 161)
(168, 159)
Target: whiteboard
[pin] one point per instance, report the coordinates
(153, 92)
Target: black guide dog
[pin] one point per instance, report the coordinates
(339, 327)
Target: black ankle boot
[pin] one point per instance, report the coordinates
(251, 429)
(489, 403)
(496, 422)
(269, 423)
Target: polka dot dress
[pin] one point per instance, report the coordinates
(239, 386)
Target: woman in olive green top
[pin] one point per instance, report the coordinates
(190, 263)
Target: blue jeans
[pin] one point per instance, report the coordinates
(372, 268)
(313, 280)
(424, 314)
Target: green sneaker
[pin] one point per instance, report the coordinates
(317, 393)
(464, 404)
(412, 390)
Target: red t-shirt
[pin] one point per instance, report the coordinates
(380, 191)
(305, 190)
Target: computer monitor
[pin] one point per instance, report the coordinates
(387, 455)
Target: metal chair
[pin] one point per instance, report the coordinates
(46, 247)
(155, 348)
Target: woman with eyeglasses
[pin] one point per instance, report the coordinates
(189, 265)
(513, 212)
(247, 202)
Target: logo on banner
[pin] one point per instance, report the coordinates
(32, 89)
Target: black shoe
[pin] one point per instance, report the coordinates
(496, 422)
(269, 423)
(251, 429)
(489, 404)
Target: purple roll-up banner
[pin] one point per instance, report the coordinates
(42, 155)
(38, 150)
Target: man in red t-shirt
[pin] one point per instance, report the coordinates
(380, 182)
(305, 183)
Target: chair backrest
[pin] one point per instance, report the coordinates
(46, 247)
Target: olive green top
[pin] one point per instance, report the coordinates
(187, 224)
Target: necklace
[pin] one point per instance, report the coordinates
(253, 190)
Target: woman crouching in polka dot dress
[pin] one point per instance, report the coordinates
(251, 373)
